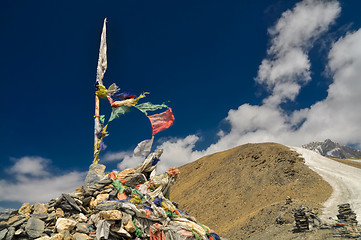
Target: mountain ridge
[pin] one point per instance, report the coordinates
(328, 148)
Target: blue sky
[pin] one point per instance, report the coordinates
(233, 72)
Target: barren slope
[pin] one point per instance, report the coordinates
(239, 192)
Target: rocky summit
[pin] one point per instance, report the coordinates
(332, 149)
(128, 204)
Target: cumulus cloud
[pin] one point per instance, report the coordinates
(33, 166)
(33, 181)
(287, 65)
(284, 71)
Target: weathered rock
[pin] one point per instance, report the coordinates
(135, 179)
(10, 234)
(82, 218)
(58, 236)
(111, 215)
(7, 213)
(82, 228)
(26, 208)
(130, 227)
(59, 213)
(100, 198)
(113, 205)
(3, 225)
(95, 174)
(3, 233)
(20, 232)
(121, 231)
(81, 236)
(39, 208)
(64, 224)
(18, 223)
(43, 238)
(66, 235)
(41, 216)
(34, 227)
(51, 217)
(15, 219)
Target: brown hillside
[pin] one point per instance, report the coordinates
(229, 190)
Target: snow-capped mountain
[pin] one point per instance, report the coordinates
(329, 148)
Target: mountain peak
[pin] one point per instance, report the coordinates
(328, 148)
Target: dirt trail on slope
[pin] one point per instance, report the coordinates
(344, 179)
(241, 191)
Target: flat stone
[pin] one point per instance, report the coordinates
(81, 236)
(82, 228)
(3, 225)
(40, 215)
(110, 205)
(19, 232)
(3, 233)
(10, 234)
(39, 208)
(65, 224)
(34, 227)
(111, 214)
(18, 223)
(7, 213)
(26, 208)
(43, 238)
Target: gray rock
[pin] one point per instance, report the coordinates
(112, 205)
(34, 227)
(18, 223)
(3, 225)
(41, 216)
(10, 234)
(82, 228)
(80, 236)
(7, 213)
(3, 233)
(135, 179)
(95, 174)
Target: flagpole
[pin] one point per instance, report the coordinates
(101, 68)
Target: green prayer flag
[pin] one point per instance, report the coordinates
(117, 111)
(144, 107)
(102, 118)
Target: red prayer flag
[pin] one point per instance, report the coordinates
(161, 121)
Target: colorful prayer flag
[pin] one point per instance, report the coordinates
(144, 107)
(161, 121)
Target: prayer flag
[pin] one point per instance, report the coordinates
(117, 111)
(161, 121)
(102, 61)
(144, 107)
(143, 147)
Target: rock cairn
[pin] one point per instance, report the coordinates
(305, 219)
(346, 215)
(130, 204)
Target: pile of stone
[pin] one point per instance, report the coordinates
(305, 219)
(346, 215)
(129, 204)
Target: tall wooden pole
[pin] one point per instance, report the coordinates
(101, 68)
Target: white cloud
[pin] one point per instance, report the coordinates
(34, 166)
(285, 70)
(34, 182)
(287, 66)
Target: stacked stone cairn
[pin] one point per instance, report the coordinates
(305, 219)
(128, 204)
(346, 215)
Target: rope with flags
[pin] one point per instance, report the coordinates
(122, 104)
